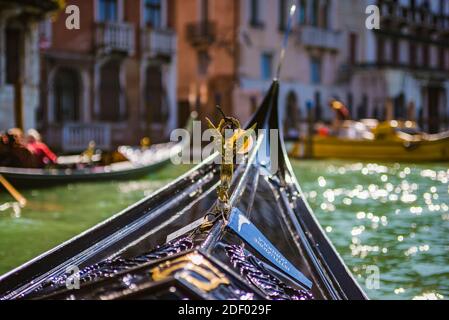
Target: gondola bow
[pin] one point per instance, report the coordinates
(160, 248)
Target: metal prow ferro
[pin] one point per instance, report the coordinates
(228, 144)
(228, 150)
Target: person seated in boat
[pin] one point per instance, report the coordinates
(6, 156)
(17, 135)
(322, 130)
(40, 150)
(341, 114)
(145, 143)
(88, 154)
(4, 150)
(15, 151)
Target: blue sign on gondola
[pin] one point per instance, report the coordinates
(250, 234)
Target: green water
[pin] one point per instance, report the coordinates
(57, 214)
(391, 217)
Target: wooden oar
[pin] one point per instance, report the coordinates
(13, 191)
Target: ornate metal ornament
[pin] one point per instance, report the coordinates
(229, 147)
(110, 267)
(253, 270)
(194, 269)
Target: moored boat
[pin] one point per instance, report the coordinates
(174, 245)
(143, 162)
(384, 143)
(124, 164)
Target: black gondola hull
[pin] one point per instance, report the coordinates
(39, 180)
(137, 241)
(126, 170)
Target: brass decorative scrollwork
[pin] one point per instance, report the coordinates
(186, 267)
(229, 148)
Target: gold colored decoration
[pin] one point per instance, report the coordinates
(145, 143)
(186, 265)
(228, 151)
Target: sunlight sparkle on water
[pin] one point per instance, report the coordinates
(429, 296)
(394, 216)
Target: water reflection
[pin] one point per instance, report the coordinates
(53, 215)
(393, 216)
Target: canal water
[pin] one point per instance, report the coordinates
(389, 222)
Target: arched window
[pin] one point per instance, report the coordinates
(292, 116)
(66, 95)
(14, 51)
(325, 15)
(302, 14)
(108, 10)
(155, 95)
(283, 14)
(110, 91)
(314, 18)
(153, 13)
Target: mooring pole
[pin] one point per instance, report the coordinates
(308, 152)
(389, 106)
(18, 104)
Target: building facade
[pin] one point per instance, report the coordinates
(230, 50)
(113, 80)
(401, 67)
(19, 60)
(404, 64)
(241, 48)
(207, 68)
(311, 67)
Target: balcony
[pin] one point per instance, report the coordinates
(159, 43)
(201, 34)
(76, 136)
(37, 6)
(313, 37)
(115, 37)
(396, 16)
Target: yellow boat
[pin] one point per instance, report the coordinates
(384, 142)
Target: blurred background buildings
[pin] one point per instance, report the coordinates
(405, 63)
(19, 60)
(138, 67)
(114, 79)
